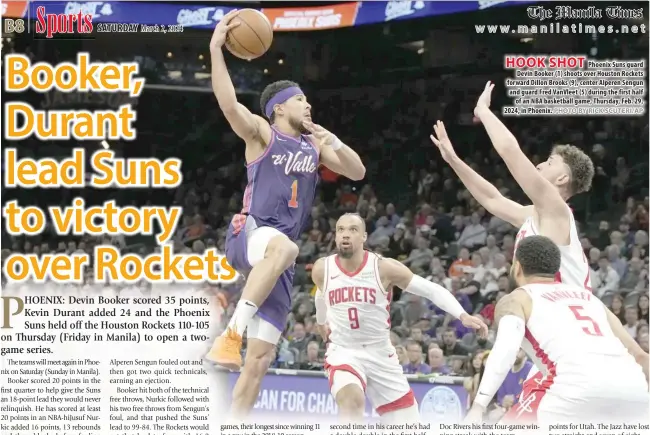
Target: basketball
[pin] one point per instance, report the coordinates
(252, 38)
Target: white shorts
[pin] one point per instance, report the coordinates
(260, 329)
(555, 409)
(559, 404)
(257, 239)
(376, 370)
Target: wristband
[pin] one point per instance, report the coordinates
(337, 144)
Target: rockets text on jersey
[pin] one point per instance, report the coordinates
(574, 269)
(569, 338)
(358, 307)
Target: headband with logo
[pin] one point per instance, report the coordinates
(280, 98)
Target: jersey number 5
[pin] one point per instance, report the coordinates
(353, 317)
(293, 202)
(594, 330)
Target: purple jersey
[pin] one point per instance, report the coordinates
(281, 185)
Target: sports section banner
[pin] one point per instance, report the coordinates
(299, 393)
(282, 19)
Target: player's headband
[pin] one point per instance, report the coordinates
(280, 98)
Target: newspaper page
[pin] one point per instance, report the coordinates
(124, 309)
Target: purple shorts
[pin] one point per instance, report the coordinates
(277, 305)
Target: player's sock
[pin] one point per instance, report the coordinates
(243, 314)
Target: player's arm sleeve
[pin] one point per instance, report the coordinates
(502, 357)
(436, 294)
(321, 307)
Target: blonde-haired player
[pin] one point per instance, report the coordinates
(568, 171)
(572, 338)
(353, 313)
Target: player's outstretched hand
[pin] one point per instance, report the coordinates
(475, 323)
(222, 28)
(484, 99)
(324, 136)
(441, 140)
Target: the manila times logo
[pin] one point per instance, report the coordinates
(47, 25)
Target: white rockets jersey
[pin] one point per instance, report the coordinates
(569, 339)
(358, 306)
(574, 268)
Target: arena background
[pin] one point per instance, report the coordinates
(379, 83)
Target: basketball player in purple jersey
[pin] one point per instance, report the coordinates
(282, 159)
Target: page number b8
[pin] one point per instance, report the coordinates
(13, 26)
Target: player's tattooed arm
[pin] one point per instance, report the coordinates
(516, 303)
(542, 193)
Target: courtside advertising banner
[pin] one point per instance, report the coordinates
(312, 18)
(291, 393)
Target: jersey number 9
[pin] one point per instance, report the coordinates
(353, 317)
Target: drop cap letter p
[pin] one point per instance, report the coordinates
(6, 310)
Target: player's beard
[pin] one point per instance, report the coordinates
(346, 253)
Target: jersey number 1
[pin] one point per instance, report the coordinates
(353, 317)
(594, 330)
(293, 202)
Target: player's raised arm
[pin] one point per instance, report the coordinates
(401, 276)
(510, 318)
(630, 344)
(481, 189)
(544, 195)
(318, 276)
(336, 155)
(245, 124)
